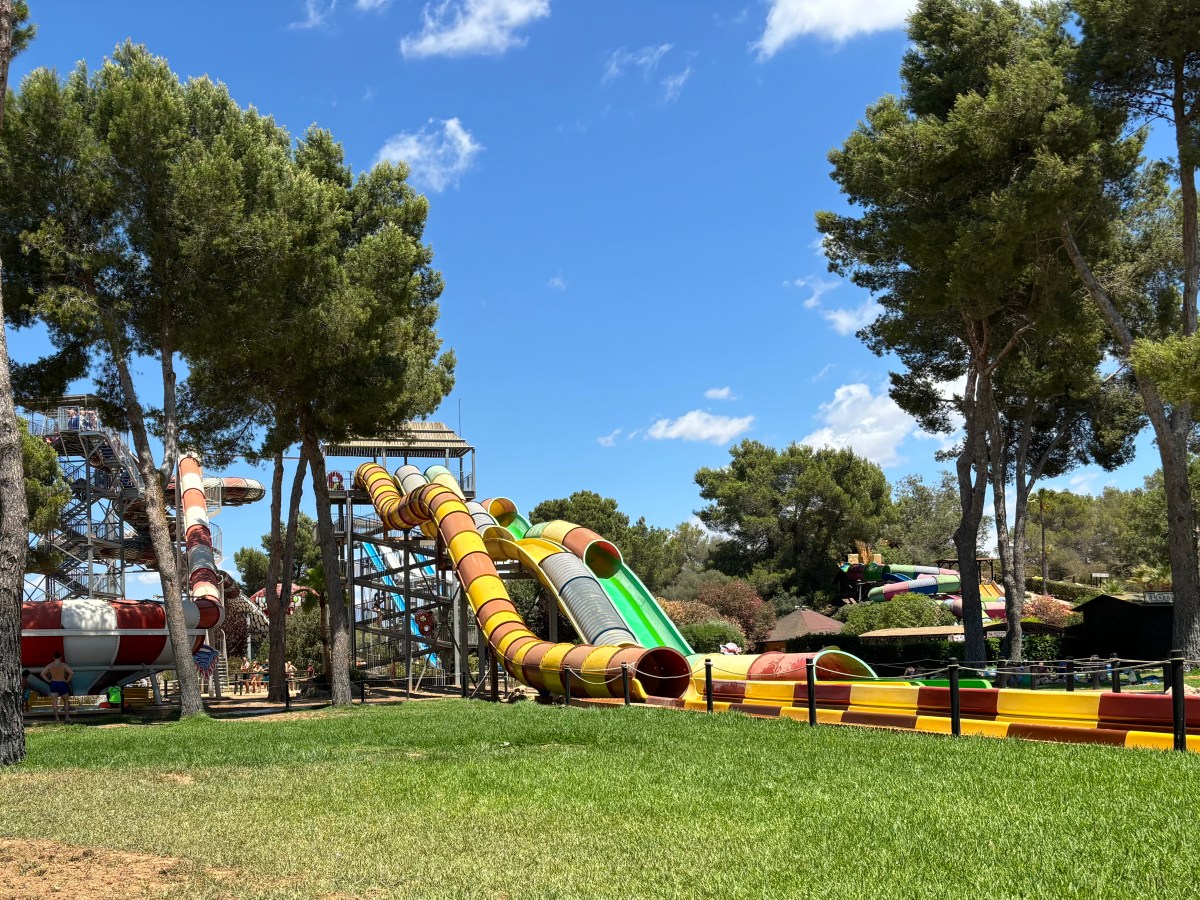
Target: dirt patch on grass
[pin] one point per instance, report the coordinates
(35, 870)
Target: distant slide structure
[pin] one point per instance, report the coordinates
(925, 584)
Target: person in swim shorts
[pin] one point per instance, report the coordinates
(58, 675)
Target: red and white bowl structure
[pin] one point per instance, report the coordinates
(107, 642)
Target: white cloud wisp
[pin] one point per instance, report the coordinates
(646, 59)
(672, 85)
(469, 27)
(872, 425)
(833, 20)
(699, 425)
(436, 157)
(316, 12)
(721, 393)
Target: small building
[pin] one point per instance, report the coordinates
(1133, 626)
(920, 633)
(797, 624)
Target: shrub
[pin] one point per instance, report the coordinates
(707, 637)
(737, 600)
(911, 611)
(1063, 590)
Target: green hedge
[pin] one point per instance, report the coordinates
(707, 637)
(1063, 590)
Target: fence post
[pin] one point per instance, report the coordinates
(1178, 707)
(1070, 673)
(810, 675)
(625, 681)
(955, 699)
(1002, 673)
(287, 696)
(708, 698)
(1116, 674)
(566, 686)
(362, 692)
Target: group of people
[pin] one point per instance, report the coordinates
(255, 677)
(86, 419)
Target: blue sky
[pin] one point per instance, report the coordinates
(621, 203)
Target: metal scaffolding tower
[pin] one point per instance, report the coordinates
(409, 615)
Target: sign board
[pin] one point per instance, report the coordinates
(1158, 597)
(1099, 576)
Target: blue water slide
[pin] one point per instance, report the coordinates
(377, 561)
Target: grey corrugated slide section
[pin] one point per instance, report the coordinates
(586, 601)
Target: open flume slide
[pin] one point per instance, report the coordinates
(542, 665)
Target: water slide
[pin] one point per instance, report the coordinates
(925, 584)
(633, 601)
(593, 670)
(377, 560)
(109, 642)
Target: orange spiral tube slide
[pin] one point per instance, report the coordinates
(542, 665)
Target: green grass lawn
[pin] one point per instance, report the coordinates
(467, 799)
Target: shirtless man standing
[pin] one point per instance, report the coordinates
(58, 675)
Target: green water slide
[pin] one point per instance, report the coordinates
(518, 526)
(641, 612)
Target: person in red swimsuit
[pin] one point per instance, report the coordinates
(58, 675)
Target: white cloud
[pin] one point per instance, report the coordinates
(646, 59)
(825, 370)
(609, 439)
(699, 425)
(672, 85)
(465, 27)
(721, 393)
(557, 282)
(849, 321)
(151, 578)
(316, 13)
(834, 20)
(872, 425)
(371, 5)
(436, 157)
(816, 287)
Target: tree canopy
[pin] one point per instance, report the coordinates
(791, 515)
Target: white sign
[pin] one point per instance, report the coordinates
(1100, 575)
(1159, 597)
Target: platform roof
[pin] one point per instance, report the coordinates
(416, 440)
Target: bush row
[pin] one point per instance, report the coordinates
(1063, 590)
(888, 655)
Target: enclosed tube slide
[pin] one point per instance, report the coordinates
(595, 671)
(107, 642)
(632, 599)
(204, 580)
(926, 584)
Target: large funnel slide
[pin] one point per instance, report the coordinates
(107, 642)
(563, 575)
(594, 671)
(633, 601)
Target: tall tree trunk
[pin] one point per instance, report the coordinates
(275, 610)
(1171, 431)
(160, 535)
(170, 418)
(972, 470)
(1007, 550)
(327, 657)
(14, 514)
(339, 622)
(278, 631)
